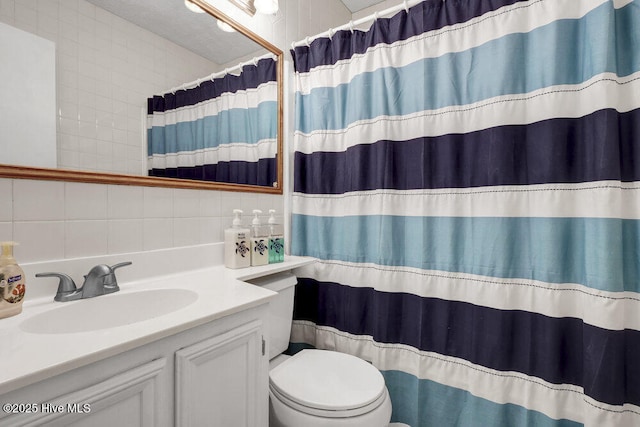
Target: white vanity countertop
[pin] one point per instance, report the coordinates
(31, 357)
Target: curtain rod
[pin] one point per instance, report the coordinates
(406, 4)
(217, 74)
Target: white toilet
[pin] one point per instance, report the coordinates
(317, 388)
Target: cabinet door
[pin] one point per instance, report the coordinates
(219, 381)
(128, 399)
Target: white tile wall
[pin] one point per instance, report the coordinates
(45, 201)
(125, 235)
(85, 201)
(384, 4)
(57, 220)
(85, 238)
(39, 240)
(6, 204)
(157, 233)
(125, 202)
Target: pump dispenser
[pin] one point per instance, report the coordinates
(259, 241)
(276, 239)
(237, 246)
(12, 282)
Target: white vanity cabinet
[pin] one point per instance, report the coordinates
(214, 374)
(232, 361)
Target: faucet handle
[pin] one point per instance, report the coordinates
(66, 286)
(122, 264)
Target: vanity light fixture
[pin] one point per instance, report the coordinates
(267, 7)
(245, 5)
(193, 7)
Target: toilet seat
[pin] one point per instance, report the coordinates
(328, 384)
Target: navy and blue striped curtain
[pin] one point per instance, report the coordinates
(468, 175)
(223, 130)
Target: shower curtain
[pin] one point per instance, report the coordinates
(223, 130)
(468, 175)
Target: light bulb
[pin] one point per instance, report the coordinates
(225, 27)
(193, 7)
(267, 7)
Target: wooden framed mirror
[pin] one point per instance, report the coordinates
(78, 124)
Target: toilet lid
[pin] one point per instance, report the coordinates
(328, 380)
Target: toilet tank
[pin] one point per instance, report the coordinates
(280, 309)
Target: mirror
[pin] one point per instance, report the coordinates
(136, 64)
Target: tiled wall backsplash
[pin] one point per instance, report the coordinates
(57, 220)
(106, 69)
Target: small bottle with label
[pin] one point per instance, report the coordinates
(259, 241)
(237, 244)
(12, 282)
(276, 239)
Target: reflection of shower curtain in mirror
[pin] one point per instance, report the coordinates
(223, 130)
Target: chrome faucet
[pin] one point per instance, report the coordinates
(100, 280)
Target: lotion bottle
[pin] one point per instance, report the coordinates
(259, 241)
(276, 239)
(12, 282)
(237, 246)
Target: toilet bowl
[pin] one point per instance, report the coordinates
(318, 388)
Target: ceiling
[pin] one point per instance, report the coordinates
(197, 32)
(357, 5)
(194, 31)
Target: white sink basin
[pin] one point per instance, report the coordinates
(109, 311)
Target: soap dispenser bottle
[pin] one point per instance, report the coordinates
(237, 246)
(259, 241)
(276, 239)
(12, 282)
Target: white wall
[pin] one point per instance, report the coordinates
(385, 4)
(55, 220)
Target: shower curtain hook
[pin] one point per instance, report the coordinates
(375, 16)
(331, 34)
(406, 6)
(306, 40)
(255, 62)
(351, 26)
